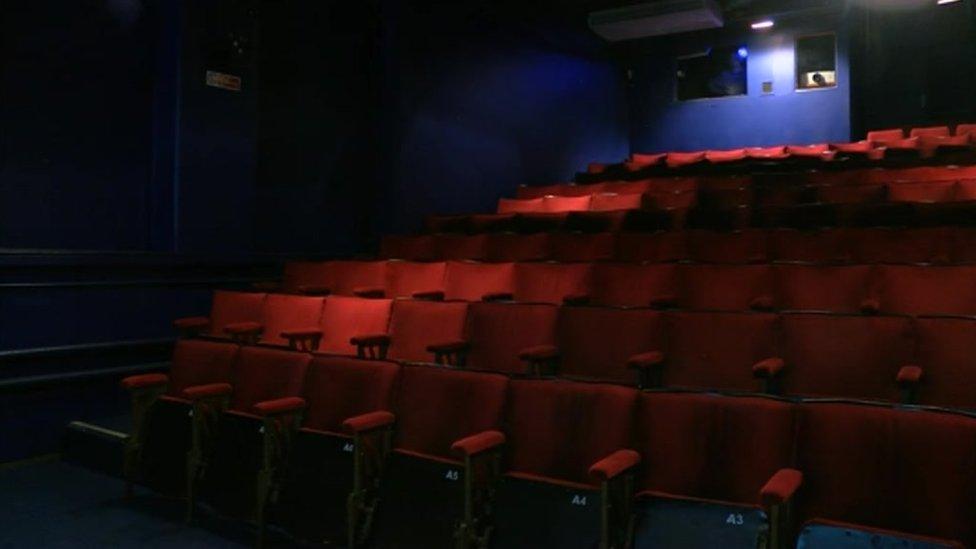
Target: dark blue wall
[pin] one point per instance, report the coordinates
(477, 106)
(661, 123)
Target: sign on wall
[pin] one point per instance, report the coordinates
(223, 81)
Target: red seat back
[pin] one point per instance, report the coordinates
(712, 447)
(558, 429)
(583, 246)
(405, 278)
(654, 247)
(410, 247)
(232, 307)
(885, 136)
(913, 245)
(717, 350)
(610, 202)
(551, 282)
(826, 246)
(498, 332)
(933, 131)
(733, 247)
(346, 317)
(200, 362)
(836, 288)
(945, 352)
(438, 406)
(634, 285)
(930, 191)
(927, 290)
(288, 312)
(418, 324)
(263, 373)
(468, 281)
(725, 287)
(459, 246)
(844, 355)
(338, 388)
(339, 277)
(596, 342)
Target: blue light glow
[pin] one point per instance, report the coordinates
(743, 52)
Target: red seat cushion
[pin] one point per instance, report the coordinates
(405, 278)
(417, 324)
(469, 281)
(945, 352)
(583, 246)
(844, 355)
(346, 317)
(200, 362)
(263, 373)
(630, 285)
(498, 332)
(234, 307)
(517, 247)
(725, 287)
(438, 406)
(551, 282)
(596, 342)
(834, 288)
(927, 290)
(289, 312)
(338, 388)
(717, 350)
(558, 429)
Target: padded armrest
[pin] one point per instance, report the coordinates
(279, 406)
(144, 381)
(370, 339)
(576, 299)
(645, 361)
(910, 375)
(768, 368)
(192, 323)
(304, 332)
(498, 296)
(244, 328)
(368, 422)
(665, 301)
(430, 295)
(870, 306)
(478, 444)
(762, 303)
(449, 347)
(372, 293)
(200, 392)
(539, 353)
(614, 465)
(312, 289)
(781, 487)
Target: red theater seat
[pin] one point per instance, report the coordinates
(962, 247)
(927, 290)
(558, 432)
(333, 277)
(851, 194)
(635, 285)
(934, 131)
(720, 157)
(422, 490)
(469, 281)
(767, 153)
(682, 159)
(558, 189)
(820, 150)
(658, 247)
(565, 204)
(831, 355)
(517, 247)
(312, 496)
(458, 246)
(492, 223)
(821, 246)
(883, 137)
(727, 287)
(711, 350)
(947, 359)
(343, 318)
(834, 288)
(872, 479)
(413, 248)
(406, 278)
(609, 202)
(707, 458)
(281, 313)
(520, 205)
(930, 191)
(569, 247)
(913, 245)
(497, 333)
(552, 282)
(414, 326)
(227, 308)
(748, 246)
(647, 160)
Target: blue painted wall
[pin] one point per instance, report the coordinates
(661, 123)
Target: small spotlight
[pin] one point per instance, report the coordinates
(758, 25)
(944, 2)
(743, 52)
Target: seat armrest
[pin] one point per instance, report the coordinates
(279, 406)
(368, 422)
(370, 339)
(781, 487)
(909, 375)
(211, 390)
(372, 293)
(614, 465)
(430, 295)
(768, 368)
(313, 289)
(192, 324)
(478, 444)
(498, 296)
(645, 361)
(144, 381)
(576, 299)
(539, 353)
(303, 339)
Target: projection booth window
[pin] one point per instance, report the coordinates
(816, 62)
(718, 72)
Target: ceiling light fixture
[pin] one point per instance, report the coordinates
(765, 24)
